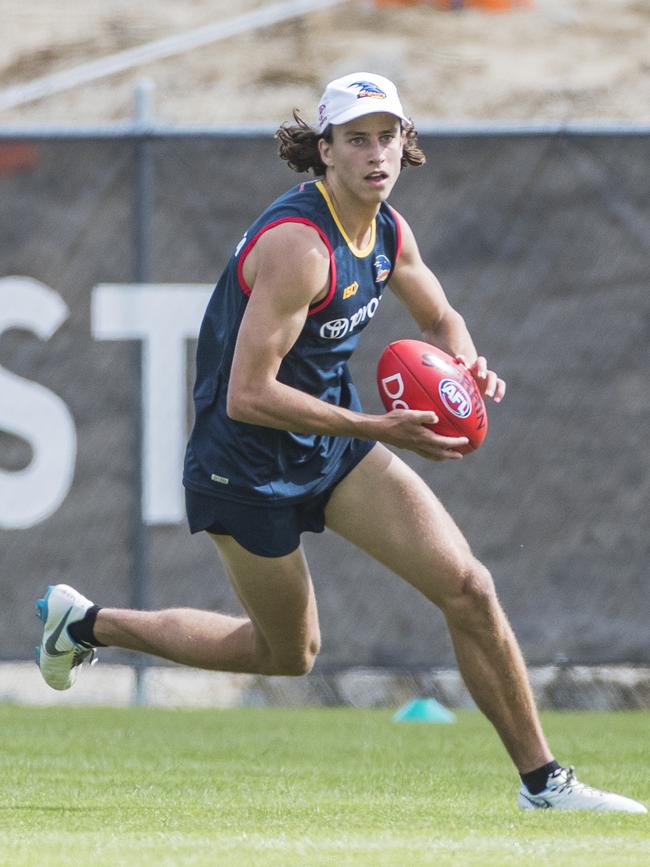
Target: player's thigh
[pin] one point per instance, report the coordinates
(386, 509)
(277, 593)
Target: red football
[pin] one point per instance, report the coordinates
(412, 374)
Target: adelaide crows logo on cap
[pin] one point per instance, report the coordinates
(367, 88)
(382, 266)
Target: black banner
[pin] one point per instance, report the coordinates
(542, 244)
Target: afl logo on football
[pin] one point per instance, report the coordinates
(455, 398)
(382, 268)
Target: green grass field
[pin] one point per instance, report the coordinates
(278, 788)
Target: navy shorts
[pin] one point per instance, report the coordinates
(271, 530)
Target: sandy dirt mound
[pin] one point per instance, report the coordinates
(557, 60)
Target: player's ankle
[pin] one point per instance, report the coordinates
(83, 631)
(535, 781)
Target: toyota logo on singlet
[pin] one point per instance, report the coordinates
(335, 329)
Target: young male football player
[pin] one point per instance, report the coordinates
(280, 444)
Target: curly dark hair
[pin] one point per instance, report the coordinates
(299, 146)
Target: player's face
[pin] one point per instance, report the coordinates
(365, 156)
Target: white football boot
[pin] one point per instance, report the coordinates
(58, 656)
(564, 792)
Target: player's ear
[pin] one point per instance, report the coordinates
(325, 151)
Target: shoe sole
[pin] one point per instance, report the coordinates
(42, 612)
(42, 606)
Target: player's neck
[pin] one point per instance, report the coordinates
(355, 215)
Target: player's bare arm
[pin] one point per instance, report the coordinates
(420, 291)
(288, 269)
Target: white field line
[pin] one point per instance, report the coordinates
(160, 49)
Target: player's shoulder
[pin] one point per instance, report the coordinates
(292, 253)
(396, 216)
(292, 237)
(407, 244)
(295, 216)
(301, 198)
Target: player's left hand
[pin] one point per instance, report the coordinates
(490, 385)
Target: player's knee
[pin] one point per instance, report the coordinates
(299, 662)
(477, 584)
(294, 666)
(472, 589)
(297, 666)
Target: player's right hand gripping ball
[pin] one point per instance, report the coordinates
(412, 374)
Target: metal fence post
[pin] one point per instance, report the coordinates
(143, 195)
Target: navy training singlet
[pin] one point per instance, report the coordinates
(252, 463)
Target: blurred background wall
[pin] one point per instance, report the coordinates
(532, 209)
(540, 241)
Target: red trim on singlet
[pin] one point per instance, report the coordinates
(319, 305)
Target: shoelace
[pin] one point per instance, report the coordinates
(572, 782)
(569, 780)
(80, 656)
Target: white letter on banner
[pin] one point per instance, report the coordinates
(34, 413)
(163, 316)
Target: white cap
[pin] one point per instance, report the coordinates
(355, 95)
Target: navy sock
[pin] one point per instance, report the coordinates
(535, 781)
(82, 631)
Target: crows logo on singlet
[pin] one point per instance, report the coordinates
(382, 268)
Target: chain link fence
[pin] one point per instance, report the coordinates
(110, 242)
